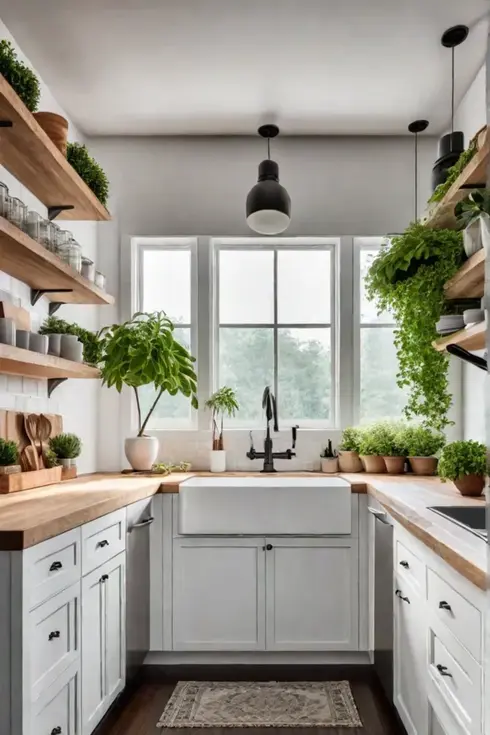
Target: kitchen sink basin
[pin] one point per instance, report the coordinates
(261, 506)
(472, 518)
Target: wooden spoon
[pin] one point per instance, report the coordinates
(44, 428)
(31, 427)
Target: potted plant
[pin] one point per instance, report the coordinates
(408, 280)
(349, 450)
(9, 457)
(92, 344)
(371, 450)
(329, 458)
(465, 463)
(222, 403)
(66, 448)
(89, 170)
(421, 444)
(473, 215)
(22, 79)
(143, 351)
(391, 446)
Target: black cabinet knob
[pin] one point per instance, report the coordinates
(56, 730)
(54, 634)
(399, 594)
(443, 670)
(55, 566)
(104, 578)
(405, 564)
(443, 605)
(269, 547)
(103, 543)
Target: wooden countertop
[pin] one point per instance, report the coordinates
(29, 517)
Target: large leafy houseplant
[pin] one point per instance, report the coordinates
(22, 79)
(408, 279)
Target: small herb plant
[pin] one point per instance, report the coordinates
(22, 79)
(65, 446)
(89, 170)
(462, 458)
(473, 207)
(92, 345)
(383, 439)
(50, 459)
(351, 437)
(453, 172)
(161, 468)
(329, 452)
(144, 351)
(421, 441)
(408, 280)
(222, 403)
(9, 453)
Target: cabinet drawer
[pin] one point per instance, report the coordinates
(57, 712)
(459, 615)
(51, 567)
(458, 678)
(409, 567)
(53, 639)
(102, 539)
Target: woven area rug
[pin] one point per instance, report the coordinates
(261, 704)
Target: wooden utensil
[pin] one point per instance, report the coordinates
(44, 429)
(31, 427)
(31, 458)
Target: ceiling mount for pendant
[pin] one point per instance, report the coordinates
(268, 131)
(454, 36)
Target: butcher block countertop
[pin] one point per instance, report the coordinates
(27, 518)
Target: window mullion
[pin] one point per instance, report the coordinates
(276, 379)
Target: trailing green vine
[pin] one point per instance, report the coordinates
(408, 279)
(453, 172)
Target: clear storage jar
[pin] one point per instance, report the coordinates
(72, 255)
(34, 226)
(17, 212)
(4, 200)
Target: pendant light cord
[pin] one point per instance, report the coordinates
(416, 176)
(452, 91)
(269, 148)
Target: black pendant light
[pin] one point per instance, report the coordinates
(416, 127)
(268, 205)
(451, 145)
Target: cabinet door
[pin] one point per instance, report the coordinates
(218, 594)
(312, 594)
(410, 666)
(93, 648)
(115, 627)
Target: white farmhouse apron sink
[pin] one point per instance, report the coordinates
(269, 505)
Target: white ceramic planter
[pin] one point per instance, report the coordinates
(67, 462)
(472, 238)
(485, 232)
(330, 465)
(217, 460)
(141, 452)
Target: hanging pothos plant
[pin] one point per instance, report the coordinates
(407, 278)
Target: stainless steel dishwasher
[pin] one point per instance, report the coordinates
(139, 519)
(383, 600)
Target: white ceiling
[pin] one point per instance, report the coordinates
(157, 67)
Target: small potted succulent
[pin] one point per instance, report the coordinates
(9, 457)
(349, 450)
(329, 459)
(465, 463)
(371, 449)
(66, 447)
(422, 444)
(222, 403)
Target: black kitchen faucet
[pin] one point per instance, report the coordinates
(270, 407)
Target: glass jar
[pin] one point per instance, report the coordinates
(17, 212)
(4, 199)
(53, 237)
(72, 255)
(99, 280)
(88, 268)
(34, 225)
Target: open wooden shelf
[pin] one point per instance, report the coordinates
(469, 281)
(471, 338)
(474, 175)
(30, 156)
(25, 259)
(15, 361)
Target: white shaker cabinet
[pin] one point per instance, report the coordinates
(218, 594)
(312, 594)
(103, 639)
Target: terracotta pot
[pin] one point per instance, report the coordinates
(330, 465)
(395, 465)
(423, 465)
(373, 463)
(56, 128)
(349, 462)
(470, 485)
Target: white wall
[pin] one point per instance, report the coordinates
(75, 400)
(197, 186)
(470, 116)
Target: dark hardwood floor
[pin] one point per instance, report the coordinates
(140, 710)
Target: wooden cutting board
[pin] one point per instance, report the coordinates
(21, 317)
(12, 427)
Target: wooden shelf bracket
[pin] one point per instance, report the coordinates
(53, 383)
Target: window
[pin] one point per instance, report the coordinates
(274, 306)
(380, 396)
(165, 284)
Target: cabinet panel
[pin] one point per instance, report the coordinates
(218, 594)
(115, 643)
(51, 567)
(312, 594)
(93, 644)
(103, 539)
(58, 709)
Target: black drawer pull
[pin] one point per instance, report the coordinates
(405, 564)
(269, 547)
(103, 543)
(56, 730)
(55, 566)
(443, 605)
(443, 670)
(104, 578)
(398, 593)
(54, 634)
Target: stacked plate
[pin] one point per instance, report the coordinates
(450, 323)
